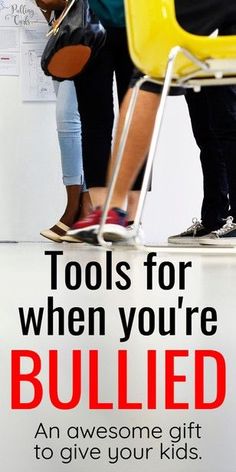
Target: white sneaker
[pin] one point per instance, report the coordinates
(130, 238)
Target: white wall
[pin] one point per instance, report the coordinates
(31, 192)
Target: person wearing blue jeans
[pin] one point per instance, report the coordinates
(94, 90)
(69, 137)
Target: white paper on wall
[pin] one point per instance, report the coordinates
(9, 64)
(9, 39)
(35, 85)
(36, 33)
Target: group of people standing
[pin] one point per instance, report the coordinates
(85, 119)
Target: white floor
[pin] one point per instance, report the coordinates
(25, 281)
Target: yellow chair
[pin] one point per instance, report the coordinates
(169, 55)
(154, 34)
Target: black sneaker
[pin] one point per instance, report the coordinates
(191, 236)
(225, 236)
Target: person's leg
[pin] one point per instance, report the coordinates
(222, 117)
(115, 58)
(134, 156)
(203, 17)
(124, 71)
(137, 144)
(135, 153)
(95, 97)
(69, 136)
(215, 205)
(95, 100)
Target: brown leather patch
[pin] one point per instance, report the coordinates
(69, 61)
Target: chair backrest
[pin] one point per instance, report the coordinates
(153, 31)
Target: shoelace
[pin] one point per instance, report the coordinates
(227, 226)
(196, 224)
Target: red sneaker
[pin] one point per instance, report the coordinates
(86, 229)
(90, 221)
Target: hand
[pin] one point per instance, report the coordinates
(50, 5)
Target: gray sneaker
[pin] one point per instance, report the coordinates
(191, 236)
(225, 236)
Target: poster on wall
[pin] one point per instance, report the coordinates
(35, 85)
(22, 40)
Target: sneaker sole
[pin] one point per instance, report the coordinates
(219, 242)
(70, 239)
(115, 233)
(77, 232)
(89, 237)
(51, 236)
(111, 233)
(184, 241)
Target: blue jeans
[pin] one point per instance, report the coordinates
(69, 133)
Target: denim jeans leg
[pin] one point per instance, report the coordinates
(69, 133)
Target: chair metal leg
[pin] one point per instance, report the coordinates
(124, 135)
(154, 142)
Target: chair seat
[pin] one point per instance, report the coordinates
(153, 32)
(215, 68)
(215, 72)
